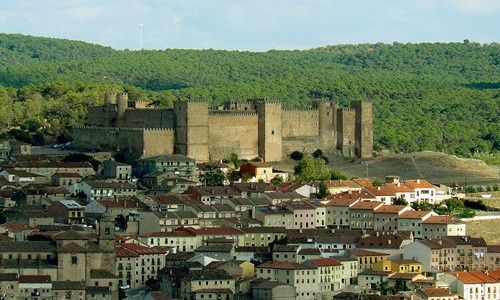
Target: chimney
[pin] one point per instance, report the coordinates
(378, 233)
(389, 242)
(418, 180)
(440, 242)
(349, 192)
(398, 184)
(333, 230)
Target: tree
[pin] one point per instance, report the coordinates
(337, 175)
(468, 213)
(400, 286)
(323, 190)
(318, 153)
(296, 155)
(277, 180)
(233, 158)
(311, 169)
(234, 176)
(454, 204)
(399, 201)
(121, 222)
(213, 177)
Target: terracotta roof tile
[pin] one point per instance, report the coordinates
(367, 205)
(325, 262)
(439, 220)
(396, 209)
(474, 277)
(419, 184)
(414, 214)
(436, 292)
(284, 265)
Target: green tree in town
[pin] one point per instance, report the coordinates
(311, 169)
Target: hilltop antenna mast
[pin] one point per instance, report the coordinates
(140, 25)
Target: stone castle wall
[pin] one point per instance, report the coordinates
(261, 129)
(299, 123)
(136, 142)
(148, 118)
(232, 132)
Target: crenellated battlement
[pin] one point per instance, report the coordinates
(231, 113)
(109, 128)
(149, 108)
(292, 109)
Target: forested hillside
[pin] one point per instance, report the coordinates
(439, 96)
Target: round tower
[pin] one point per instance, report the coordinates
(122, 104)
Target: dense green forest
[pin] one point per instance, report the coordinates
(427, 96)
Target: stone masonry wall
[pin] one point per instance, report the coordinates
(232, 132)
(299, 123)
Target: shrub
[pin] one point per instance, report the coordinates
(317, 153)
(297, 155)
(337, 175)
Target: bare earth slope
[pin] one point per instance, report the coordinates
(434, 166)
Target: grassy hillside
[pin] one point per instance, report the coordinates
(426, 96)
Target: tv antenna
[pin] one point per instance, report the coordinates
(140, 25)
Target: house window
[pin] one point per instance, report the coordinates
(74, 260)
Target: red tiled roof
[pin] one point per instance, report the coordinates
(367, 205)
(15, 227)
(135, 250)
(365, 182)
(474, 277)
(381, 191)
(325, 262)
(361, 252)
(414, 214)
(436, 292)
(398, 188)
(384, 209)
(439, 220)
(284, 265)
(419, 184)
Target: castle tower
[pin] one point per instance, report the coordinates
(326, 128)
(364, 129)
(122, 105)
(269, 131)
(346, 120)
(106, 234)
(191, 129)
(110, 99)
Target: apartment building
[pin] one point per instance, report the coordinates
(302, 276)
(135, 263)
(477, 285)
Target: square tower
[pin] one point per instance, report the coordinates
(364, 129)
(269, 132)
(191, 129)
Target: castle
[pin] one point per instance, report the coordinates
(256, 128)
